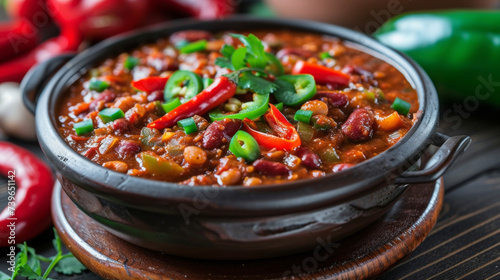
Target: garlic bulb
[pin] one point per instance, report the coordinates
(15, 119)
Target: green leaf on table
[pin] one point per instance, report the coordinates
(27, 272)
(256, 84)
(32, 260)
(57, 242)
(70, 265)
(4, 276)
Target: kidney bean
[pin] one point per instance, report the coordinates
(218, 131)
(156, 95)
(120, 125)
(105, 96)
(270, 167)
(127, 148)
(294, 51)
(190, 36)
(359, 125)
(308, 157)
(336, 99)
(341, 166)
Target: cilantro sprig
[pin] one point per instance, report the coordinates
(245, 79)
(28, 263)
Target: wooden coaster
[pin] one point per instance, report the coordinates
(363, 255)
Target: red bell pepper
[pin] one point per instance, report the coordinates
(217, 93)
(28, 210)
(150, 84)
(321, 74)
(288, 137)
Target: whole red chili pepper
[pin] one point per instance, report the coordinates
(14, 69)
(201, 9)
(288, 137)
(321, 74)
(217, 93)
(28, 211)
(150, 84)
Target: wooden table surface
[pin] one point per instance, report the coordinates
(464, 244)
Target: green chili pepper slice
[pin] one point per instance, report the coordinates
(183, 84)
(159, 166)
(188, 124)
(251, 110)
(243, 145)
(111, 114)
(294, 90)
(197, 46)
(401, 106)
(98, 85)
(83, 127)
(303, 116)
(169, 106)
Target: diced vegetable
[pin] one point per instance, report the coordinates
(83, 127)
(98, 85)
(251, 110)
(305, 131)
(245, 146)
(401, 106)
(150, 84)
(207, 82)
(391, 122)
(169, 106)
(159, 166)
(131, 62)
(321, 74)
(111, 114)
(197, 46)
(324, 55)
(188, 124)
(303, 116)
(329, 155)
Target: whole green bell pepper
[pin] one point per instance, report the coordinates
(460, 50)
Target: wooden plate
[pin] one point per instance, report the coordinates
(363, 255)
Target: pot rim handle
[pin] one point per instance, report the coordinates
(37, 77)
(450, 149)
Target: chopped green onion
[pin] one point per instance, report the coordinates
(98, 85)
(111, 114)
(197, 46)
(243, 145)
(279, 106)
(131, 62)
(188, 124)
(401, 106)
(84, 127)
(305, 131)
(207, 82)
(169, 106)
(324, 55)
(329, 155)
(303, 116)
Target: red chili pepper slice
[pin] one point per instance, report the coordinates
(29, 211)
(150, 84)
(288, 137)
(321, 74)
(217, 93)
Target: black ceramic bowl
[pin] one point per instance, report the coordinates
(238, 222)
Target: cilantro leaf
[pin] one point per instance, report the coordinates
(256, 55)
(224, 62)
(70, 265)
(227, 50)
(27, 272)
(57, 242)
(256, 84)
(238, 58)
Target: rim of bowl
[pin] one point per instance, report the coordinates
(331, 188)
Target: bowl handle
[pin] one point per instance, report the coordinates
(450, 148)
(36, 78)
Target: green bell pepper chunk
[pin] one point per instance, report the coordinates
(251, 110)
(459, 49)
(295, 90)
(303, 116)
(131, 62)
(197, 46)
(188, 124)
(98, 85)
(243, 145)
(111, 114)
(83, 127)
(183, 84)
(401, 106)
